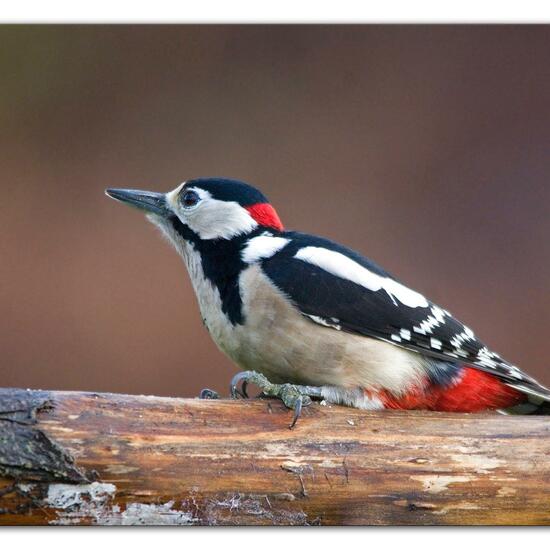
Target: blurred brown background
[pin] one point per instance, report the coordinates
(426, 148)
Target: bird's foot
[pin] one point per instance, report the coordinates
(207, 393)
(293, 396)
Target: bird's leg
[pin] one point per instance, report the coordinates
(293, 396)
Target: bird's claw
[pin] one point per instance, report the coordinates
(245, 378)
(207, 393)
(298, 404)
(293, 396)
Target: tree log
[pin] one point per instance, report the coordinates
(88, 458)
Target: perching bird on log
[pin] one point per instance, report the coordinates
(74, 458)
(305, 317)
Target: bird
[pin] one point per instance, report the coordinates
(306, 318)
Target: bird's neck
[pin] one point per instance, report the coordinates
(215, 265)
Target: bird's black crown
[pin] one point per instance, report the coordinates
(226, 189)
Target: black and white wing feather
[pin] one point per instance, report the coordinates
(337, 287)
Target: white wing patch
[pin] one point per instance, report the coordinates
(346, 268)
(457, 341)
(262, 247)
(332, 322)
(435, 343)
(436, 317)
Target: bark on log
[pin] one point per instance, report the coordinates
(88, 458)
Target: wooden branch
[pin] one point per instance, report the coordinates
(86, 458)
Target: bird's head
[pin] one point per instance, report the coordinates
(205, 209)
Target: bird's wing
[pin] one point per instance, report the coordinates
(338, 288)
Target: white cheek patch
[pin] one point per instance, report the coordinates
(340, 265)
(212, 218)
(262, 247)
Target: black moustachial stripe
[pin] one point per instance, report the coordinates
(222, 265)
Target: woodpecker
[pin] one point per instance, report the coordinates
(305, 317)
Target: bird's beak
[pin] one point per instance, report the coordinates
(144, 200)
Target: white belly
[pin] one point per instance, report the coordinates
(280, 342)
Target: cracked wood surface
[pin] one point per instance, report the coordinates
(108, 459)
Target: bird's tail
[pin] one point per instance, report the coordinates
(543, 408)
(537, 402)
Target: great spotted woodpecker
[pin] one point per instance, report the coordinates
(306, 317)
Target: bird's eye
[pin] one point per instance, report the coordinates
(190, 198)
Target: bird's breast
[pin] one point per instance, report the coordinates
(277, 340)
(219, 326)
(286, 346)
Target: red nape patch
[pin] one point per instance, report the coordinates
(475, 391)
(265, 215)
